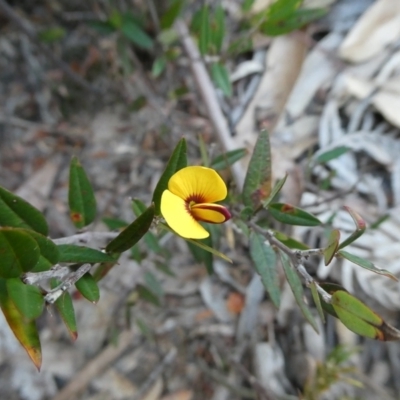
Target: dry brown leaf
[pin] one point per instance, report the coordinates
(376, 29)
(235, 302)
(386, 100)
(274, 88)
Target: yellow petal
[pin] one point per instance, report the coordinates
(175, 212)
(200, 184)
(214, 213)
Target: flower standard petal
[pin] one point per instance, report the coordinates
(200, 184)
(214, 213)
(175, 211)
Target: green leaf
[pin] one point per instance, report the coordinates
(133, 233)
(147, 295)
(49, 254)
(209, 249)
(332, 246)
(290, 242)
(317, 300)
(264, 259)
(227, 159)
(360, 319)
(158, 67)
(103, 27)
(51, 35)
(25, 331)
(331, 154)
(88, 288)
(297, 289)
(65, 307)
(221, 79)
(360, 228)
(257, 184)
(170, 15)
(362, 262)
(291, 215)
(177, 161)
(82, 203)
(154, 284)
(217, 31)
(202, 255)
(15, 212)
(114, 223)
(27, 298)
(19, 252)
(204, 39)
(71, 253)
(275, 190)
(149, 238)
(330, 288)
(246, 5)
(284, 16)
(133, 31)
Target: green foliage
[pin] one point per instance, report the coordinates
(71, 253)
(51, 34)
(82, 203)
(291, 215)
(257, 184)
(264, 259)
(132, 233)
(88, 288)
(131, 29)
(227, 159)
(220, 76)
(18, 213)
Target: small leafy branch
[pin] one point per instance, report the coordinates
(36, 271)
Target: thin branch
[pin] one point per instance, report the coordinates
(86, 237)
(54, 294)
(57, 271)
(29, 31)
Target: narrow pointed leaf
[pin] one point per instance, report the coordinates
(147, 295)
(360, 319)
(257, 184)
(290, 242)
(332, 154)
(332, 246)
(217, 31)
(15, 212)
(275, 190)
(149, 238)
(360, 228)
(88, 288)
(154, 284)
(221, 78)
(171, 13)
(177, 161)
(134, 32)
(133, 233)
(227, 159)
(71, 253)
(203, 246)
(330, 288)
(291, 215)
(297, 289)
(82, 203)
(49, 254)
(317, 301)
(264, 258)
(27, 298)
(204, 39)
(362, 262)
(65, 307)
(25, 331)
(19, 252)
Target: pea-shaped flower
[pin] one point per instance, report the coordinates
(190, 197)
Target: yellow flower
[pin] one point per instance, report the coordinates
(190, 197)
